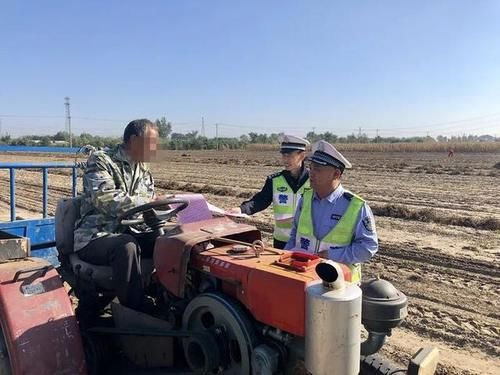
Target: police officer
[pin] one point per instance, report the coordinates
(282, 189)
(115, 181)
(331, 221)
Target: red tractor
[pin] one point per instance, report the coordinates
(224, 304)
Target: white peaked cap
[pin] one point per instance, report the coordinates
(293, 143)
(325, 154)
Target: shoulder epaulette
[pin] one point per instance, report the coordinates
(276, 174)
(348, 195)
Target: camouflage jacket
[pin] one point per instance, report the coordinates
(112, 184)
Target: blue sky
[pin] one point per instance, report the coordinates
(403, 67)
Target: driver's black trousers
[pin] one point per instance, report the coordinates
(121, 252)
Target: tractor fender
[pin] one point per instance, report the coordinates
(38, 324)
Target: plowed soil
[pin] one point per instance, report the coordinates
(438, 221)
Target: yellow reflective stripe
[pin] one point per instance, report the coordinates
(342, 233)
(282, 234)
(355, 272)
(279, 207)
(285, 212)
(305, 227)
(284, 224)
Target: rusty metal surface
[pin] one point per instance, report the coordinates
(40, 329)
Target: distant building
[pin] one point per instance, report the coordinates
(60, 143)
(486, 138)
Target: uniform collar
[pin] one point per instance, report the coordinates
(334, 195)
(303, 172)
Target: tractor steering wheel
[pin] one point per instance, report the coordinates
(152, 218)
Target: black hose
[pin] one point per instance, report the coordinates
(373, 343)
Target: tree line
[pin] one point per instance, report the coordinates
(194, 141)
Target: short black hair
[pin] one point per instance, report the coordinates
(137, 128)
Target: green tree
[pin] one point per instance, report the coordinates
(46, 141)
(61, 136)
(164, 127)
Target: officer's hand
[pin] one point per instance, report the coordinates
(234, 211)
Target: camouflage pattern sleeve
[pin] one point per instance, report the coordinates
(107, 190)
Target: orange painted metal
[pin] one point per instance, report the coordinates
(272, 293)
(172, 252)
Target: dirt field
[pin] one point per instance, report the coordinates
(438, 221)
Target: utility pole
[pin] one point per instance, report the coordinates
(217, 135)
(202, 126)
(359, 132)
(68, 121)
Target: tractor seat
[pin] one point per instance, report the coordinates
(101, 275)
(67, 213)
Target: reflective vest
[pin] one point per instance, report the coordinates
(341, 234)
(285, 203)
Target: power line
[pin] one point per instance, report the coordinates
(30, 116)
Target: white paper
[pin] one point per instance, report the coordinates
(220, 211)
(197, 209)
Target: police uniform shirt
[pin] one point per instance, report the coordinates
(264, 198)
(326, 213)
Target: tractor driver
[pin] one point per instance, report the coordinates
(331, 221)
(115, 181)
(282, 189)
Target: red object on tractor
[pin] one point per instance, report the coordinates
(39, 327)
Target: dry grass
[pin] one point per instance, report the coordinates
(423, 147)
(400, 147)
(432, 215)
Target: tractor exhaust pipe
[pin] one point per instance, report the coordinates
(333, 321)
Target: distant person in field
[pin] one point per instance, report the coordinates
(115, 181)
(283, 189)
(451, 152)
(331, 221)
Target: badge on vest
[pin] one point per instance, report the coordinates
(305, 243)
(282, 189)
(283, 199)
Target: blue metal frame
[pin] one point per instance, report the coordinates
(40, 232)
(45, 181)
(57, 149)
